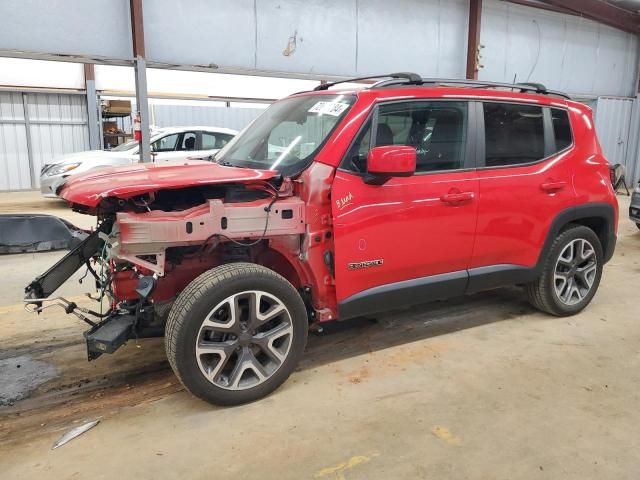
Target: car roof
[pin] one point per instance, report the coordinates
(407, 92)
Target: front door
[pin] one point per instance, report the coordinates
(410, 239)
(176, 146)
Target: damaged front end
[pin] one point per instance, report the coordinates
(152, 241)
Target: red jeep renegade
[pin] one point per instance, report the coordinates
(336, 204)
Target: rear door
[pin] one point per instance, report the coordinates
(410, 239)
(523, 185)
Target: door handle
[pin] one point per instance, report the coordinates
(455, 198)
(551, 186)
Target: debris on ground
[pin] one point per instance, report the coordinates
(75, 432)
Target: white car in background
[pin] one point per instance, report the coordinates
(173, 143)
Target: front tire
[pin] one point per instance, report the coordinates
(571, 273)
(236, 333)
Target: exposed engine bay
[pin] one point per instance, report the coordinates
(147, 248)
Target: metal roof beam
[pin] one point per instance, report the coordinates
(602, 12)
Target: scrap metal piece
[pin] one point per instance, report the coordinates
(75, 432)
(21, 233)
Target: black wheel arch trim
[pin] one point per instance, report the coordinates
(601, 211)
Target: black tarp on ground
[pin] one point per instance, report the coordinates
(22, 233)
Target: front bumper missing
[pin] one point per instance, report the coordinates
(110, 330)
(47, 283)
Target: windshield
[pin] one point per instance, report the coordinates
(288, 134)
(131, 144)
(125, 146)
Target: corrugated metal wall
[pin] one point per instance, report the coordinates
(564, 52)
(192, 115)
(613, 119)
(633, 145)
(34, 128)
(14, 159)
(58, 125)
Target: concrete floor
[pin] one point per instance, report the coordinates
(482, 387)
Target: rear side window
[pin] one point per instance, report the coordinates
(561, 128)
(514, 134)
(437, 130)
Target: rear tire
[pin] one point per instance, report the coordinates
(571, 273)
(236, 333)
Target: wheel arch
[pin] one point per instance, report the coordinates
(279, 263)
(599, 217)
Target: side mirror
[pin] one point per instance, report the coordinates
(390, 161)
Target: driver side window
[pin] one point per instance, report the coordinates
(437, 130)
(165, 144)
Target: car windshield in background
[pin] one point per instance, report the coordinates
(288, 134)
(125, 146)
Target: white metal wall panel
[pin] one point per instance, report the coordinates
(330, 37)
(613, 119)
(58, 126)
(425, 36)
(50, 141)
(14, 160)
(11, 107)
(188, 115)
(89, 27)
(55, 124)
(564, 52)
(200, 32)
(633, 145)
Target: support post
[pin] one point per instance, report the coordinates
(93, 111)
(473, 42)
(142, 104)
(34, 173)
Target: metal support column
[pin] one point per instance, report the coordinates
(473, 40)
(93, 111)
(137, 37)
(35, 175)
(143, 109)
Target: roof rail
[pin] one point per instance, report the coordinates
(523, 87)
(408, 78)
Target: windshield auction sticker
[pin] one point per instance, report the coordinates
(329, 108)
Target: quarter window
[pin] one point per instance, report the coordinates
(514, 134)
(437, 130)
(561, 128)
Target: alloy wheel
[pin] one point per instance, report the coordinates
(575, 271)
(244, 340)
